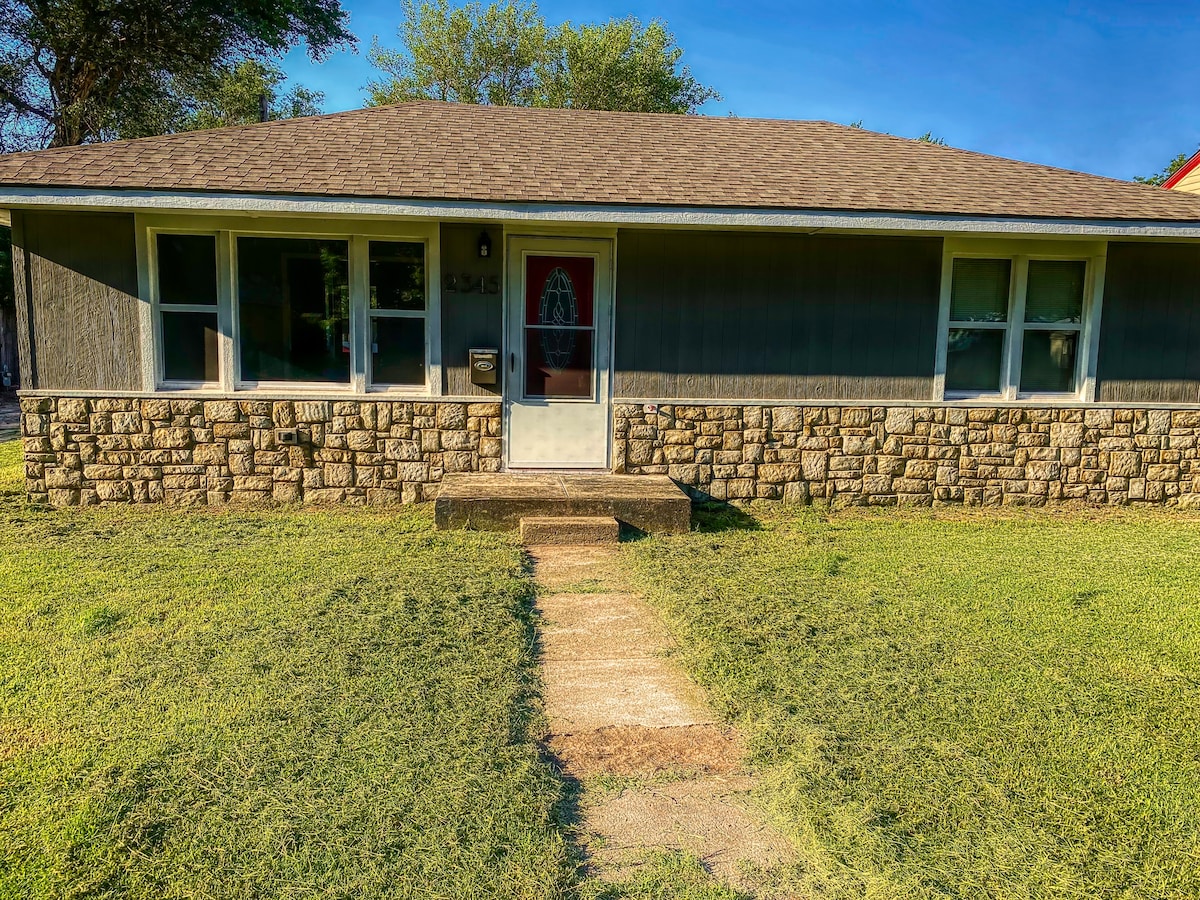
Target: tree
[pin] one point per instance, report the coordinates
(620, 65)
(73, 71)
(506, 54)
(928, 138)
(240, 94)
(466, 54)
(1158, 178)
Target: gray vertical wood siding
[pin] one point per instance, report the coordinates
(1150, 324)
(716, 315)
(77, 305)
(469, 319)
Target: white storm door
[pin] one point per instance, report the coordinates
(559, 325)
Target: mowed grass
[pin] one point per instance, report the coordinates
(283, 704)
(956, 704)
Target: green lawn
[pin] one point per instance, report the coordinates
(957, 704)
(275, 704)
(299, 703)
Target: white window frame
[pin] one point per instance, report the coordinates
(1019, 253)
(227, 230)
(158, 308)
(372, 314)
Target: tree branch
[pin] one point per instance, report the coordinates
(17, 102)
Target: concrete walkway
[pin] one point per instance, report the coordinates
(617, 705)
(10, 416)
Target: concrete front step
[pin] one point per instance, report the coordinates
(539, 530)
(498, 502)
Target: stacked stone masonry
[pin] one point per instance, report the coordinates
(86, 451)
(916, 455)
(139, 450)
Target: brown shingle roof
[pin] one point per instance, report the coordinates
(505, 154)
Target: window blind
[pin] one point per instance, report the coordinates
(979, 292)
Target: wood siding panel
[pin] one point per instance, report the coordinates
(1190, 183)
(21, 295)
(770, 316)
(470, 319)
(80, 328)
(1150, 333)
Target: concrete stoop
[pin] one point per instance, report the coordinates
(572, 531)
(498, 502)
(618, 705)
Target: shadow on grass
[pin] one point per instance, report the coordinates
(714, 516)
(566, 811)
(708, 517)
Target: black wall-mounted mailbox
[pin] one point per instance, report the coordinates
(485, 365)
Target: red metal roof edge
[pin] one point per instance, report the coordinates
(1182, 171)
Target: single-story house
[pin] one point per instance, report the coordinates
(346, 307)
(1186, 177)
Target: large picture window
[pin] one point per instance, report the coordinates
(239, 311)
(293, 309)
(187, 307)
(1015, 326)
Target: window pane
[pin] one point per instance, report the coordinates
(973, 360)
(558, 362)
(187, 268)
(189, 346)
(1055, 291)
(397, 350)
(293, 309)
(559, 290)
(1048, 361)
(979, 292)
(397, 275)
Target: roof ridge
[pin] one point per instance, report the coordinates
(440, 150)
(992, 157)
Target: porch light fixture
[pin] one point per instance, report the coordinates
(485, 245)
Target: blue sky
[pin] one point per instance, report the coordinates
(1111, 88)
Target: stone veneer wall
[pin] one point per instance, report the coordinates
(919, 455)
(84, 451)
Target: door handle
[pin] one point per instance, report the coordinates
(512, 362)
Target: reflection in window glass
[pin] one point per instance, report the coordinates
(189, 346)
(1048, 361)
(187, 268)
(397, 350)
(974, 359)
(397, 275)
(293, 309)
(1055, 291)
(979, 291)
(558, 362)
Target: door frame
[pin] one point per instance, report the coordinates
(516, 246)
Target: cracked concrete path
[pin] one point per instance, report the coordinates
(618, 705)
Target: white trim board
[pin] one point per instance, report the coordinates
(383, 396)
(584, 214)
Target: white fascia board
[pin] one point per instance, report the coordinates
(583, 213)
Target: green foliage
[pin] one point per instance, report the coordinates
(956, 704)
(1158, 178)
(620, 65)
(73, 71)
(506, 54)
(267, 704)
(928, 138)
(236, 96)
(467, 54)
